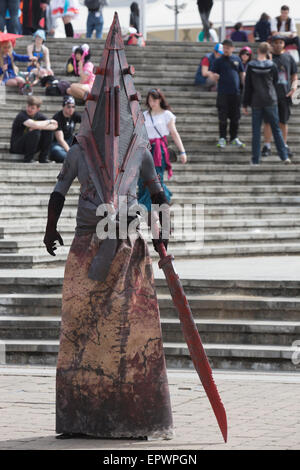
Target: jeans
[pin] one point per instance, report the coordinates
(271, 114)
(57, 153)
(94, 22)
(32, 142)
(228, 108)
(12, 6)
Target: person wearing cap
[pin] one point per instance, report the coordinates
(260, 94)
(286, 27)
(285, 89)
(67, 118)
(229, 72)
(38, 50)
(204, 77)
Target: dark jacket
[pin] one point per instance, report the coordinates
(261, 80)
(32, 21)
(262, 31)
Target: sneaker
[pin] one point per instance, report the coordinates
(222, 143)
(237, 143)
(287, 161)
(266, 151)
(290, 153)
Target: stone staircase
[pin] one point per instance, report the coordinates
(243, 324)
(248, 211)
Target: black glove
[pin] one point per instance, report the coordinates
(55, 206)
(159, 198)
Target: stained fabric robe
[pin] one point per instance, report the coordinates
(111, 374)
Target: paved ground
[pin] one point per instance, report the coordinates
(263, 413)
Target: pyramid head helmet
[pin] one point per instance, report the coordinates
(112, 127)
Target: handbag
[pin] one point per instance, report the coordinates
(172, 152)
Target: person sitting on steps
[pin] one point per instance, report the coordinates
(31, 132)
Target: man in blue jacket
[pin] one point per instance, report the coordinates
(229, 72)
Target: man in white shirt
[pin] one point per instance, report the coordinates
(286, 26)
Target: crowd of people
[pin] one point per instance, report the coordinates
(265, 83)
(35, 135)
(27, 16)
(32, 131)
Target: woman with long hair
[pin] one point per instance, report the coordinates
(8, 70)
(262, 30)
(134, 19)
(80, 65)
(160, 122)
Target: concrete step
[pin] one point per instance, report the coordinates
(179, 240)
(39, 258)
(178, 190)
(252, 227)
(26, 169)
(217, 214)
(235, 357)
(205, 306)
(34, 202)
(14, 230)
(229, 356)
(279, 333)
(50, 281)
(194, 156)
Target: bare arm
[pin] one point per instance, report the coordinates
(177, 140)
(294, 85)
(59, 135)
(242, 77)
(47, 58)
(29, 52)
(48, 125)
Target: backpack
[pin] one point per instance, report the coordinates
(53, 86)
(136, 39)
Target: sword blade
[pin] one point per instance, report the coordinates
(193, 339)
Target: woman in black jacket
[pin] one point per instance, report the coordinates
(262, 29)
(134, 19)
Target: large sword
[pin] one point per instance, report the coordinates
(192, 338)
